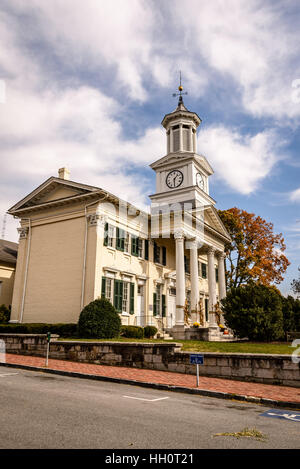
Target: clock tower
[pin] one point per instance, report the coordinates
(182, 174)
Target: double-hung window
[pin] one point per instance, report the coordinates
(140, 247)
(109, 235)
(126, 242)
(160, 254)
(107, 288)
(125, 299)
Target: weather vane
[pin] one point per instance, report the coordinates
(180, 88)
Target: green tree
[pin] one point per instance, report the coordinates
(254, 311)
(255, 253)
(296, 285)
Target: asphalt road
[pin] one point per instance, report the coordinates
(40, 410)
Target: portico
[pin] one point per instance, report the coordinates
(214, 257)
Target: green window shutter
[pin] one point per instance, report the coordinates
(134, 245)
(131, 298)
(105, 242)
(120, 239)
(103, 287)
(123, 234)
(156, 255)
(116, 292)
(146, 249)
(203, 270)
(217, 275)
(163, 305)
(118, 295)
(154, 304)
(164, 255)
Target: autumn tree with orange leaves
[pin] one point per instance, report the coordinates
(255, 253)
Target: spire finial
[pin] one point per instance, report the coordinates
(180, 89)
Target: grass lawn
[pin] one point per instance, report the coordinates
(221, 347)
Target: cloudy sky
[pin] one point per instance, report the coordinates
(85, 84)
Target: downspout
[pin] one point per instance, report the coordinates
(26, 272)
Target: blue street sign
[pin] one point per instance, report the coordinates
(290, 415)
(196, 359)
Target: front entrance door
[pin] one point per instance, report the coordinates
(171, 314)
(140, 318)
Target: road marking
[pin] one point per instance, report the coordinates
(283, 414)
(7, 374)
(148, 400)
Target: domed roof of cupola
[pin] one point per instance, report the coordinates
(181, 111)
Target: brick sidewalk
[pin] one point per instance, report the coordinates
(264, 391)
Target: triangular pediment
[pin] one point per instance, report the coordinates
(181, 157)
(213, 221)
(51, 191)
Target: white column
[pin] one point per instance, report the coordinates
(195, 141)
(168, 142)
(180, 138)
(221, 275)
(180, 278)
(191, 138)
(171, 140)
(194, 278)
(211, 285)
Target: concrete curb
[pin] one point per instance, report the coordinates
(163, 387)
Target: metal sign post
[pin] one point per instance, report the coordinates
(196, 359)
(48, 347)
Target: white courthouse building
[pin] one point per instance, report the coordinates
(79, 242)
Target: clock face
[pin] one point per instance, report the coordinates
(200, 181)
(174, 179)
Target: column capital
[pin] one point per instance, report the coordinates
(211, 250)
(221, 255)
(178, 234)
(95, 219)
(23, 232)
(191, 244)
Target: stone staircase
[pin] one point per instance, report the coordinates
(163, 335)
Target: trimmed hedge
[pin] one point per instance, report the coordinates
(61, 329)
(150, 331)
(132, 332)
(99, 320)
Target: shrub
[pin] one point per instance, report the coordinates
(254, 311)
(4, 314)
(132, 332)
(63, 330)
(99, 319)
(150, 331)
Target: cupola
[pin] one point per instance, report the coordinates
(181, 129)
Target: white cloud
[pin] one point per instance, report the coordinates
(295, 195)
(78, 128)
(50, 121)
(253, 43)
(242, 161)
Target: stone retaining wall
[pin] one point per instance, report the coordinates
(167, 356)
